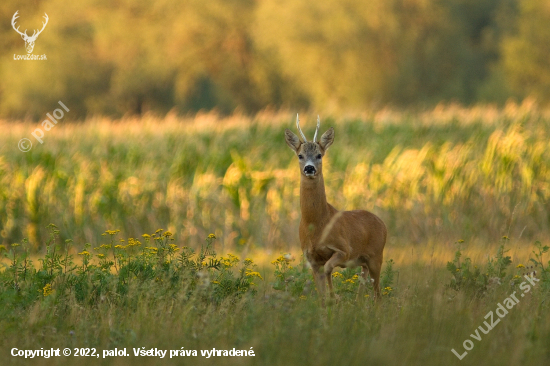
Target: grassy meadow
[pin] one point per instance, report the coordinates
(86, 266)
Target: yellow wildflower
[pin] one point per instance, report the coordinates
(158, 231)
(254, 274)
(167, 233)
(85, 253)
(133, 242)
(337, 274)
(226, 262)
(520, 266)
(211, 236)
(47, 290)
(146, 236)
(14, 245)
(216, 282)
(282, 259)
(100, 256)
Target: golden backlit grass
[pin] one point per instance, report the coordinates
(433, 176)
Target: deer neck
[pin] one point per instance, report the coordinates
(313, 200)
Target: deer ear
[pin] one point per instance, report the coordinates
(327, 139)
(292, 140)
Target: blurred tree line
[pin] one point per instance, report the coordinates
(131, 56)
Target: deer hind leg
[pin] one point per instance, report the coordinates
(375, 266)
(364, 281)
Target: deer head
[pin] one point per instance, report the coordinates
(310, 153)
(29, 41)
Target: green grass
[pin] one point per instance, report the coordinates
(424, 316)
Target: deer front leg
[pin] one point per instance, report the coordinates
(329, 280)
(319, 278)
(336, 259)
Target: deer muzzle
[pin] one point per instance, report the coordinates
(309, 170)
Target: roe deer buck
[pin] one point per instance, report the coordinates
(329, 237)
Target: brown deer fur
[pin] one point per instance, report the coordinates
(330, 238)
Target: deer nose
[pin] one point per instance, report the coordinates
(309, 169)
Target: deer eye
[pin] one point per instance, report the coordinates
(319, 156)
(300, 156)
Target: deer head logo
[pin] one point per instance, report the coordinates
(29, 41)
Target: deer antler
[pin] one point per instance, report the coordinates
(299, 129)
(15, 16)
(34, 35)
(317, 129)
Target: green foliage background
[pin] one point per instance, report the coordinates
(122, 56)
